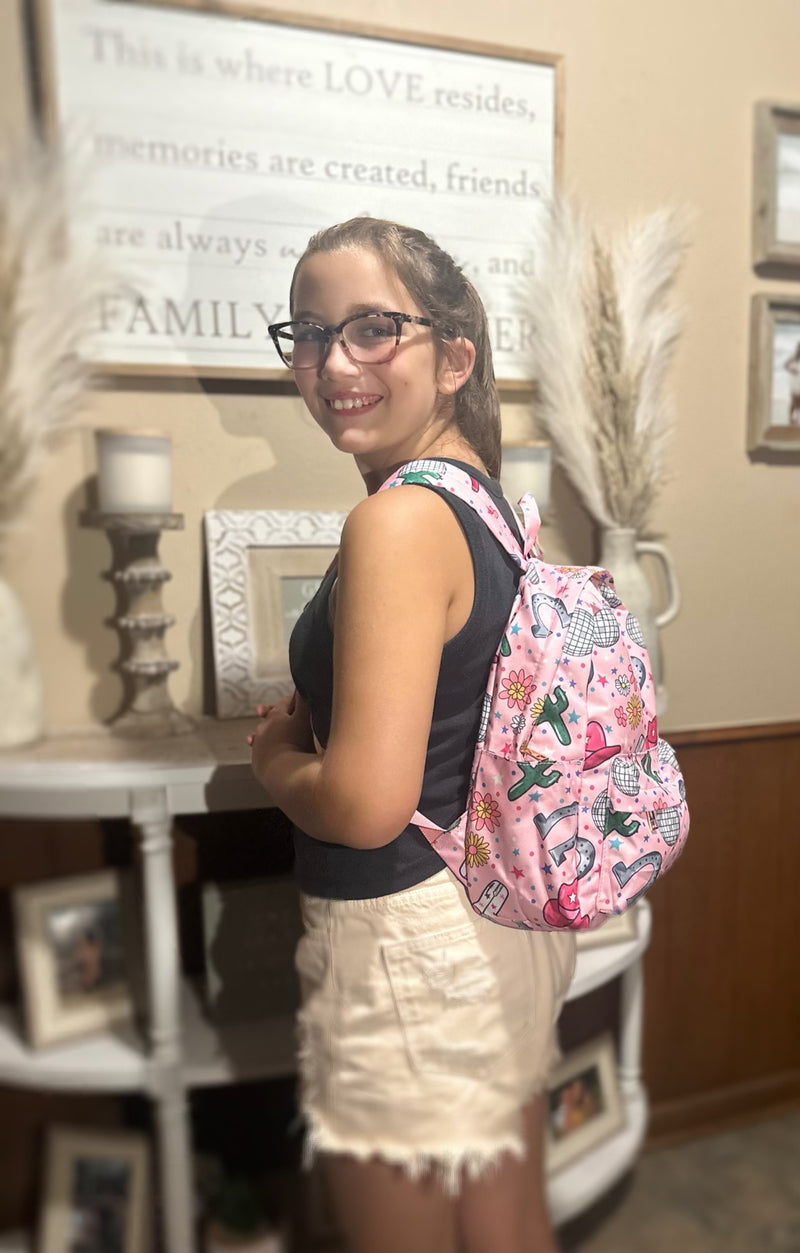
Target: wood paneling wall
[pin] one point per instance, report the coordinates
(722, 974)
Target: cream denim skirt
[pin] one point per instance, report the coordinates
(424, 1029)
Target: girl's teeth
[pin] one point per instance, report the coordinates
(348, 404)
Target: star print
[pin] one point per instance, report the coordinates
(613, 669)
(497, 713)
(602, 679)
(534, 796)
(504, 731)
(573, 716)
(515, 851)
(547, 869)
(615, 843)
(572, 682)
(584, 809)
(506, 750)
(519, 873)
(515, 629)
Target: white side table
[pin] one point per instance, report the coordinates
(92, 774)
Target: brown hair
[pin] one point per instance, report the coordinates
(445, 294)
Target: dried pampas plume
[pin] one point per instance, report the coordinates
(603, 336)
(48, 293)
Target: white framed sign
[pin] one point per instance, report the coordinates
(215, 144)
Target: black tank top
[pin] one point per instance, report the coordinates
(337, 871)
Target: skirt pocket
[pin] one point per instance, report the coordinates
(462, 1002)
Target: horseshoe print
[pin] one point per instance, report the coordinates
(541, 630)
(585, 853)
(623, 873)
(546, 822)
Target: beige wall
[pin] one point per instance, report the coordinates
(658, 109)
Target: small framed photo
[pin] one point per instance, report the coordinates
(774, 404)
(615, 930)
(251, 928)
(776, 187)
(584, 1103)
(73, 939)
(264, 566)
(96, 1196)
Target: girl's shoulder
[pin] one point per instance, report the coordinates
(398, 509)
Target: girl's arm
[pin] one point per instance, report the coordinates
(401, 558)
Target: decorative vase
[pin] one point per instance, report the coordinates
(619, 553)
(21, 695)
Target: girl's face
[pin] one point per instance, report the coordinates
(382, 414)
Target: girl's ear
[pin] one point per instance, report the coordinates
(456, 365)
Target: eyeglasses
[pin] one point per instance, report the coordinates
(367, 338)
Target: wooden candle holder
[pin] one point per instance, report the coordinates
(138, 576)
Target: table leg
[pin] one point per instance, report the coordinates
(151, 817)
(631, 1013)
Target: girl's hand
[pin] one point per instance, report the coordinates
(285, 725)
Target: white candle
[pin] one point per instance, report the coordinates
(526, 468)
(134, 471)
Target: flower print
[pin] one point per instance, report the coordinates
(518, 722)
(485, 811)
(623, 685)
(518, 687)
(634, 708)
(537, 708)
(476, 850)
(621, 716)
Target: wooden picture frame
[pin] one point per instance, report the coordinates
(74, 941)
(776, 188)
(204, 229)
(584, 1105)
(774, 383)
(263, 565)
(97, 1187)
(617, 929)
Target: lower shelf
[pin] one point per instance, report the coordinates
(117, 1060)
(574, 1188)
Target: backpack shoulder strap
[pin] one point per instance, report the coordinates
(440, 474)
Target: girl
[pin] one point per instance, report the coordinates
(426, 1032)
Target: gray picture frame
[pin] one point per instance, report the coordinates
(773, 423)
(261, 565)
(75, 1158)
(776, 188)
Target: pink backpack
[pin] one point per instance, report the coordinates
(575, 805)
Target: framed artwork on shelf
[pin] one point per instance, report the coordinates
(584, 1103)
(198, 227)
(263, 567)
(774, 385)
(74, 941)
(96, 1194)
(776, 187)
(615, 930)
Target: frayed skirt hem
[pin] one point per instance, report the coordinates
(444, 1163)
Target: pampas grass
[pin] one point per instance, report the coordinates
(603, 336)
(47, 304)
